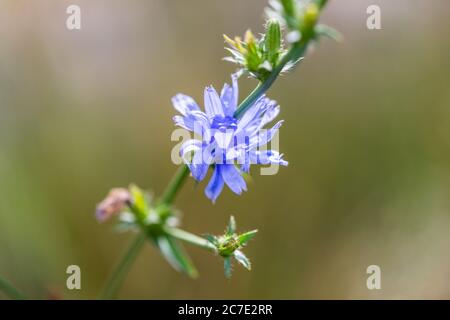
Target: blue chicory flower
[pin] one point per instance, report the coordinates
(226, 141)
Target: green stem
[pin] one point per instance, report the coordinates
(117, 277)
(175, 184)
(294, 53)
(190, 238)
(10, 291)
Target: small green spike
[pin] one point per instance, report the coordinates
(245, 237)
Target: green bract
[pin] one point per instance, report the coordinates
(257, 57)
(230, 244)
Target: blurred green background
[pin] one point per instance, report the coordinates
(367, 135)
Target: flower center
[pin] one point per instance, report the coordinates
(224, 123)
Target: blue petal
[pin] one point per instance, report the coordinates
(223, 139)
(272, 111)
(265, 136)
(229, 97)
(233, 178)
(267, 157)
(201, 125)
(253, 113)
(195, 121)
(191, 145)
(215, 185)
(213, 105)
(245, 161)
(184, 104)
(199, 167)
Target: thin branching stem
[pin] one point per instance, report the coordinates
(294, 54)
(175, 184)
(190, 238)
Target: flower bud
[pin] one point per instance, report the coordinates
(227, 245)
(311, 15)
(113, 204)
(273, 40)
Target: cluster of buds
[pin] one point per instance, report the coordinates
(230, 244)
(260, 56)
(256, 56)
(300, 18)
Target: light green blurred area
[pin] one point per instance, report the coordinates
(367, 135)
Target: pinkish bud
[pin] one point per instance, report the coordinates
(113, 204)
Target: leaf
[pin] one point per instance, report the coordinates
(231, 229)
(291, 65)
(245, 237)
(175, 255)
(326, 31)
(228, 268)
(242, 259)
(124, 226)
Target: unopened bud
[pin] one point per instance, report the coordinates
(311, 15)
(249, 38)
(113, 204)
(273, 40)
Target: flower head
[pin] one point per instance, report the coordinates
(228, 143)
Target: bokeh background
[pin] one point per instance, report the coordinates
(367, 135)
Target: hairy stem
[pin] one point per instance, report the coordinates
(10, 291)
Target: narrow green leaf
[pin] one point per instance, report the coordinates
(228, 268)
(245, 237)
(175, 255)
(326, 31)
(242, 259)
